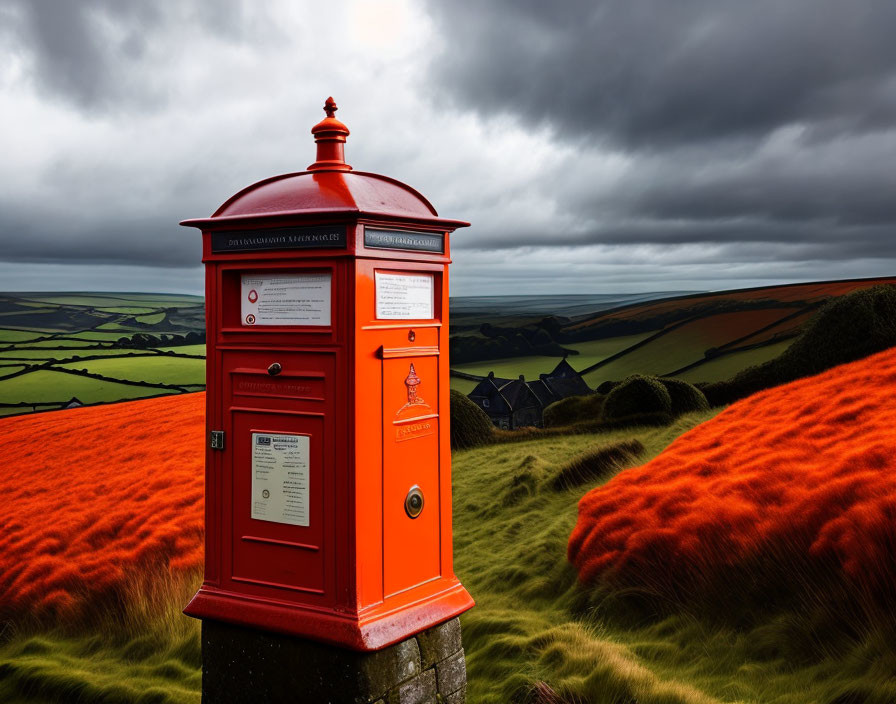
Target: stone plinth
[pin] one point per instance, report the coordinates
(242, 665)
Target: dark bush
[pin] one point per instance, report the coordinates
(845, 329)
(469, 424)
(636, 395)
(596, 464)
(607, 386)
(573, 409)
(685, 397)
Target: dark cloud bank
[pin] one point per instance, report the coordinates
(768, 122)
(764, 129)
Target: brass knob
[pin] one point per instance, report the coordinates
(275, 369)
(413, 502)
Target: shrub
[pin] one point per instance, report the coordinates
(637, 395)
(845, 329)
(685, 397)
(573, 409)
(470, 426)
(607, 386)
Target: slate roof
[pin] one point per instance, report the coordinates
(562, 387)
(516, 393)
(542, 391)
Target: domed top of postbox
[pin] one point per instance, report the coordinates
(329, 187)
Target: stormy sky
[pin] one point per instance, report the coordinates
(595, 146)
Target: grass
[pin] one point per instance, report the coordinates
(511, 367)
(129, 310)
(66, 344)
(100, 336)
(65, 353)
(594, 351)
(7, 336)
(185, 349)
(510, 552)
(154, 369)
(151, 318)
(141, 650)
(726, 366)
(465, 386)
(48, 386)
(683, 345)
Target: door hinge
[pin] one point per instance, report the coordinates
(216, 440)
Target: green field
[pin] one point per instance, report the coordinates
(465, 386)
(594, 351)
(185, 349)
(46, 386)
(150, 319)
(69, 352)
(112, 335)
(684, 345)
(102, 336)
(725, 367)
(511, 367)
(10, 336)
(157, 369)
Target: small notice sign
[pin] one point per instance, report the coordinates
(399, 239)
(286, 299)
(404, 296)
(318, 237)
(280, 478)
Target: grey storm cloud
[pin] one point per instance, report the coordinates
(647, 73)
(763, 121)
(746, 137)
(100, 54)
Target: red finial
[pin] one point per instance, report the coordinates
(330, 136)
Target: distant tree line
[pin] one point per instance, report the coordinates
(145, 341)
(495, 342)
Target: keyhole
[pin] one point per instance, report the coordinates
(411, 336)
(275, 369)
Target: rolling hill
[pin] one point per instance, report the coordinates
(703, 337)
(748, 560)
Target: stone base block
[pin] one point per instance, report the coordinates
(240, 665)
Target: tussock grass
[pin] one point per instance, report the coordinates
(136, 649)
(596, 464)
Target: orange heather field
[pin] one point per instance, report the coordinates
(799, 475)
(93, 495)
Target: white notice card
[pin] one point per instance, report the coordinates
(404, 296)
(286, 299)
(280, 478)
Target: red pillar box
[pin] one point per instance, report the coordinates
(328, 471)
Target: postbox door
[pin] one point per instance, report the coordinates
(279, 479)
(411, 550)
